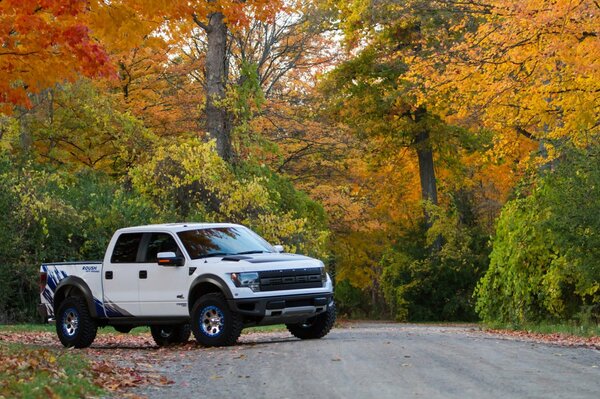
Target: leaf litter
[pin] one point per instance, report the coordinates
(118, 362)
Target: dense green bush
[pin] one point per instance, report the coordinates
(424, 283)
(545, 263)
(51, 216)
(352, 302)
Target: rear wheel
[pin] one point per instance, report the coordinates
(74, 324)
(170, 335)
(213, 323)
(315, 327)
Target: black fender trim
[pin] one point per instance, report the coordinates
(214, 280)
(76, 282)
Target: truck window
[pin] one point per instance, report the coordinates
(160, 242)
(201, 243)
(126, 248)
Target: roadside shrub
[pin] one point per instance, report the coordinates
(545, 263)
(351, 301)
(50, 216)
(423, 283)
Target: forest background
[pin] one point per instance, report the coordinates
(442, 157)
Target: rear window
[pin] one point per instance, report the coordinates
(126, 248)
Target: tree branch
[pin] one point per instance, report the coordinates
(200, 23)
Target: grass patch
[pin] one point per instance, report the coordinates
(273, 328)
(31, 372)
(134, 331)
(27, 328)
(590, 330)
(18, 328)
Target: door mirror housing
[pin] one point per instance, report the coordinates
(278, 248)
(170, 259)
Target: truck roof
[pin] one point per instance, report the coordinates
(175, 227)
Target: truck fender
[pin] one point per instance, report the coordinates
(79, 284)
(211, 279)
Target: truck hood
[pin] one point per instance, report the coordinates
(260, 262)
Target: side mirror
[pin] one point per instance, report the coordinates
(278, 248)
(170, 259)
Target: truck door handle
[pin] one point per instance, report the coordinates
(108, 275)
(143, 274)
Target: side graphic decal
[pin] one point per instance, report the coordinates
(113, 310)
(55, 276)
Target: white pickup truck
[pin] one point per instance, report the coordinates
(212, 279)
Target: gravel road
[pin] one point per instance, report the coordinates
(369, 360)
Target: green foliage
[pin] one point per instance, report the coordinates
(352, 301)
(53, 216)
(190, 182)
(545, 263)
(243, 100)
(286, 199)
(426, 285)
(248, 91)
(77, 127)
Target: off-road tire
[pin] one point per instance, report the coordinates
(213, 323)
(170, 335)
(74, 324)
(315, 327)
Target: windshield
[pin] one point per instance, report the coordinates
(222, 241)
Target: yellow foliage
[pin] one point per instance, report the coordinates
(531, 66)
(190, 182)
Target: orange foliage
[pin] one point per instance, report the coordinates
(43, 42)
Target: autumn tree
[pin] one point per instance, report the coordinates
(215, 18)
(75, 126)
(288, 54)
(371, 91)
(529, 68)
(56, 37)
(412, 154)
(157, 86)
(43, 43)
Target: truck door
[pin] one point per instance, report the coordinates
(120, 277)
(164, 290)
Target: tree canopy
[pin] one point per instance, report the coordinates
(441, 157)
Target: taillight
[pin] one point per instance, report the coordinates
(43, 281)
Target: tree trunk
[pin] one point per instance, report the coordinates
(426, 168)
(217, 116)
(427, 177)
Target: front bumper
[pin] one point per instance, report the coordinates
(282, 308)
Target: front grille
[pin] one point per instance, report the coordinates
(293, 279)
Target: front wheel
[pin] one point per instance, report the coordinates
(315, 327)
(170, 335)
(74, 324)
(213, 324)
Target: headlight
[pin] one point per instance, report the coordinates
(323, 275)
(249, 280)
